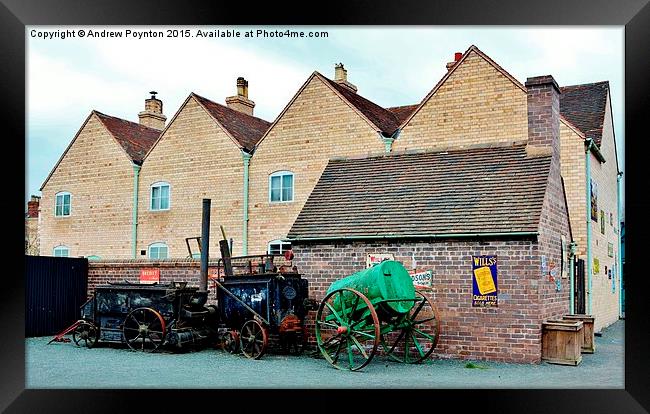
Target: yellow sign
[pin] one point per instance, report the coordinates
(484, 280)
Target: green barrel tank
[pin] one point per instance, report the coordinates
(387, 280)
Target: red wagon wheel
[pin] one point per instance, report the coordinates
(253, 339)
(144, 329)
(347, 329)
(85, 334)
(413, 337)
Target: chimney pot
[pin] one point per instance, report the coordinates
(240, 102)
(153, 116)
(341, 77)
(457, 56)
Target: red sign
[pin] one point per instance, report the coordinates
(149, 276)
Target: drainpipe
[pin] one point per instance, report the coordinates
(573, 249)
(388, 141)
(246, 157)
(619, 177)
(134, 221)
(588, 144)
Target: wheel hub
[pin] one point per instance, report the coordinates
(342, 330)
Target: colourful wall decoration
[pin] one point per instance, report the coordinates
(596, 266)
(602, 221)
(610, 250)
(484, 281)
(594, 200)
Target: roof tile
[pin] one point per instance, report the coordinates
(584, 106)
(136, 139)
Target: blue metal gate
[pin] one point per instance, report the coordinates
(55, 288)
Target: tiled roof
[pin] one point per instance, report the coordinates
(403, 112)
(470, 191)
(246, 129)
(382, 118)
(584, 106)
(136, 139)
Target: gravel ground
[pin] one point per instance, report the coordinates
(63, 365)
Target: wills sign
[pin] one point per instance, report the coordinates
(149, 276)
(484, 282)
(375, 258)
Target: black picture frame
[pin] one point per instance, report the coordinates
(633, 14)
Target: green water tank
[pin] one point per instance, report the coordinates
(384, 281)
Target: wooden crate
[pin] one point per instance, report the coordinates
(588, 343)
(562, 342)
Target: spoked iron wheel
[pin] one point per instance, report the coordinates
(144, 329)
(415, 335)
(85, 334)
(253, 339)
(347, 329)
(231, 342)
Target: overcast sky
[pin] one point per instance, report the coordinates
(398, 65)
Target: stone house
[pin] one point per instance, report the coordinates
(32, 243)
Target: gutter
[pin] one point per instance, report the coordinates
(594, 148)
(134, 220)
(589, 143)
(416, 236)
(619, 177)
(246, 157)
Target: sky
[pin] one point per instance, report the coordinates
(391, 65)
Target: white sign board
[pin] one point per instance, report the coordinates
(422, 278)
(374, 258)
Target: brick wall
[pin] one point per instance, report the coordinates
(511, 332)
(99, 175)
(198, 160)
(573, 172)
(318, 125)
(605, 291)
(476, 104)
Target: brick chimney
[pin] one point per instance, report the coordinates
(152, 116)
(457, 57)
(32, 206)
(543, 99)
(341, 77)
(241, 102)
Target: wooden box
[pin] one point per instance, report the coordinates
(588, 344)
(562, 342)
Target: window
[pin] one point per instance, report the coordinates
(62, 204)
(61, 251)
(93, 257)
(281, 187)
(278, 247)
(160, 196)
(158, 251)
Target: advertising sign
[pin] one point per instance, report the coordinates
(422, 278)
(484, 281)
(594, 200)
(374, 258)
(149, 276)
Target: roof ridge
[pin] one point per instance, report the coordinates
(585, 84)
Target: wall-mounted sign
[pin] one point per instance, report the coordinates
(374, 258)
(484, 281)
(149, 276)
(594, 200)
(610, 250)
(422, 278)
(564, 268)
(596, 266)
(602, 221)
(544, 265)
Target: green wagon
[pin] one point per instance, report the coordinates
(378, 305)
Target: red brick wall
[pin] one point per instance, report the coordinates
(511, 332)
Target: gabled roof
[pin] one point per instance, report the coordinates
(403, 112)
(247, 130)
(584, 106)
(471, 49)
(383, 119)
(489, 190)
(136, 139)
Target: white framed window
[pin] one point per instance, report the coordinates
(281, 187)
(159, 196)
(278, 247)
(158, 251)
(61, 251)
(62, 203)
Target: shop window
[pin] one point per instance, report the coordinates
(281, 187)
(278, 247)
(160, 196)
(61, 251)
(158, 251)
(62, 204)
